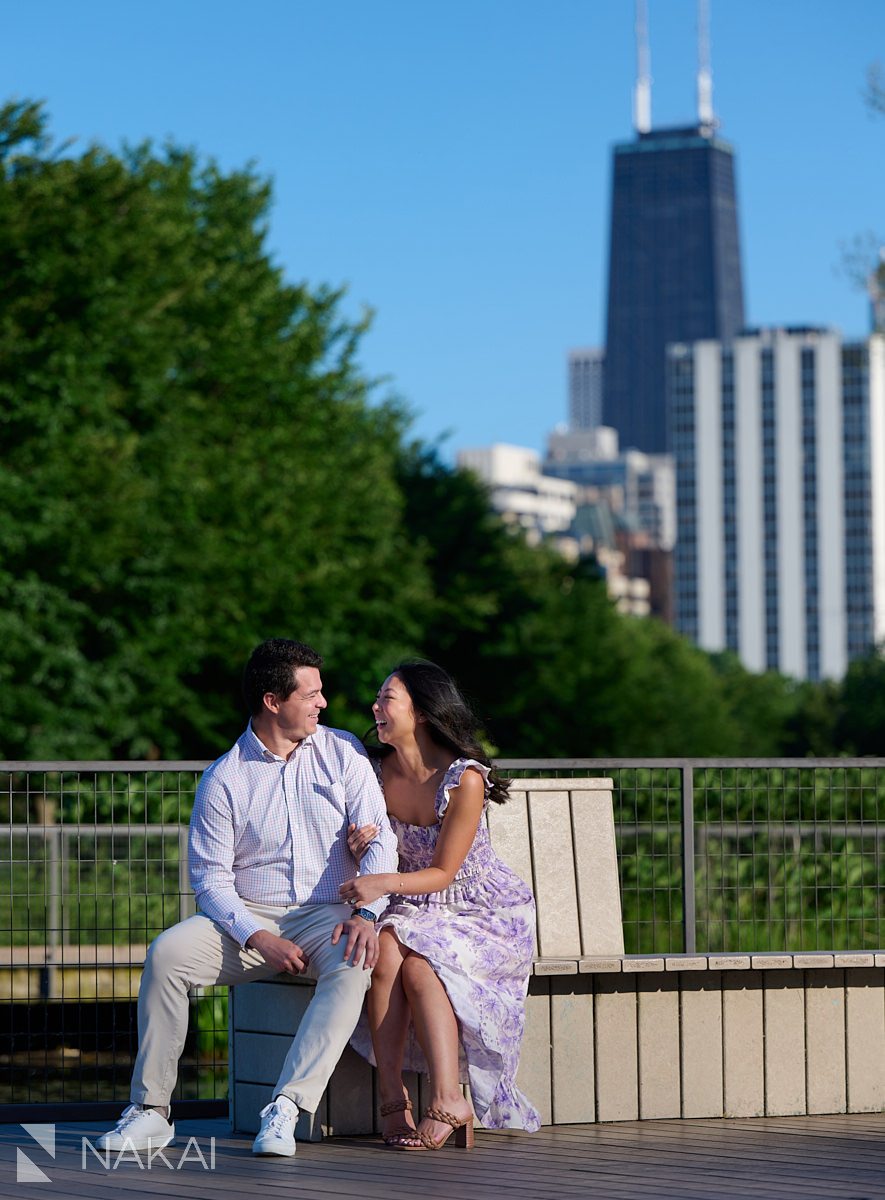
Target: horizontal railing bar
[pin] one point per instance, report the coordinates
(101, 1110)
(512, 764)
(829, 825)
(71, 954)
(149, 766)
(745, 828)
(72, 828)
(127, 765)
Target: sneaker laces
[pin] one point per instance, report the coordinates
(279, 1116)
(130, 1114)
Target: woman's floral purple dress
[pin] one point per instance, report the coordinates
(478, 935)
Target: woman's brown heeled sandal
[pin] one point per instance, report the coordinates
(392, 1136)
(463, 1130)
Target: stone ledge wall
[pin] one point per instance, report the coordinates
(718, 1036)
(633, 1038)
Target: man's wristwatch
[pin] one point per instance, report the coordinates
(366, 914)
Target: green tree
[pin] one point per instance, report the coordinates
(623, 686)
(861, 723)
(191, 461)
(811, 728)
(763, 707)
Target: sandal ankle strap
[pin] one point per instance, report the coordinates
(437, 1114)
(394, 1106)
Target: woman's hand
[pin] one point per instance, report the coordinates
(359, 840)
(365, 888)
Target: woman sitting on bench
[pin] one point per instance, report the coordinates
(448, 991)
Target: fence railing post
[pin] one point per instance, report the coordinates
(52, 854)
(686, 783)
(186, 905)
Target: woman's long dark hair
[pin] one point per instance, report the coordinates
(450, 720)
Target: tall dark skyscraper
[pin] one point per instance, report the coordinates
(674, 258)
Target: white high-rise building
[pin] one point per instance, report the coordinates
(779, 440)
(585, 370)
(519, 491)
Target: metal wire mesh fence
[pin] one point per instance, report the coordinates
(733, 855)
(649, 814)
(714, 856)
(93, 866)
(790, 857)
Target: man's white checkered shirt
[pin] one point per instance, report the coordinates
(274, 831)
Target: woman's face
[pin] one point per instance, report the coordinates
(393, 711)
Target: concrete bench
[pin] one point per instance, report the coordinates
(648, 1037)
(558, 835)
(615, 1037)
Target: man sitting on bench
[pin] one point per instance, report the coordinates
(267, 853)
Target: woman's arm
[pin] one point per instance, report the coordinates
(456, 836)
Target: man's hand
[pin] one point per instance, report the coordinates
(279, 953)
(362, 941)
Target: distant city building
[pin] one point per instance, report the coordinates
(621, 551)
(638, 491)
(571, 445)
(779, 440)
(643, 486)
(674, 269)
(519, 491)
(585, 375)
(558, 511)
(674, 256)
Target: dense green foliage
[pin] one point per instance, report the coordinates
(192, 460)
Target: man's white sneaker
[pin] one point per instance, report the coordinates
(139, 1129)
(277, 1132)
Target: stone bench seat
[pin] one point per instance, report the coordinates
(613, 1036)
(634, 963)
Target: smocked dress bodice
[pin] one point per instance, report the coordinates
(417, 843)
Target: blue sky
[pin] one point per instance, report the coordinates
(449, 162)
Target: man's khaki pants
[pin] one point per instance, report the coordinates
(198, 953)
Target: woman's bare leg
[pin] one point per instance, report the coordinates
(388, 1013)
(437, 1031)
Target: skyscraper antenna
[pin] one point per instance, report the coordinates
(642, 90)
(706, 117)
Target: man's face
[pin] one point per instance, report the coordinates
(298, 715)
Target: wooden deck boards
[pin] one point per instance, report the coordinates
(776, 1158)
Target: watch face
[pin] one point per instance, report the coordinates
(366, 913)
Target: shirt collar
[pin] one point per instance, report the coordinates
(257, 748)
